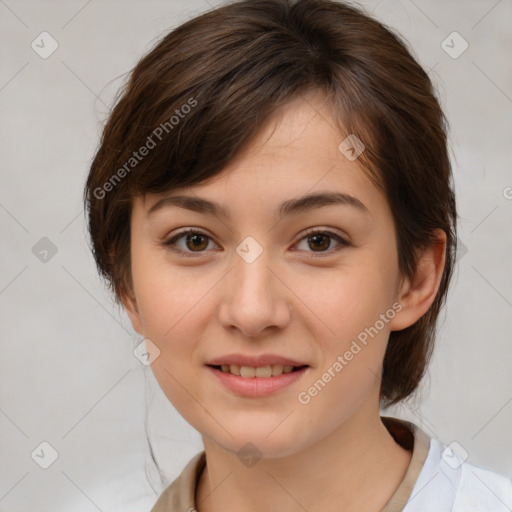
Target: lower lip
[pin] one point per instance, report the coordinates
(257, 386)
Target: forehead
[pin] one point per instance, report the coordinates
(296, 152)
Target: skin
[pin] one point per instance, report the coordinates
(333, 453)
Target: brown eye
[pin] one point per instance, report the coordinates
(319, 241)
(194, 242)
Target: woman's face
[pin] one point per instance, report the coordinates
(254, 282)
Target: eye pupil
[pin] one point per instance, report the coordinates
(318, 238)
(195, 243)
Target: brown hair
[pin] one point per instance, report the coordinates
(205, 89)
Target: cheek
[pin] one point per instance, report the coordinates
(171, 303)
(344, 301)
(166, 294)
(351, 336)
(349, 330)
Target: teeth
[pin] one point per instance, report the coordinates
(261, 371)
(264, 371)
(277, 369)
(247, 371)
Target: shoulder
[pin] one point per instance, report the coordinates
(452, 484)
(180, 494)
(482, 490)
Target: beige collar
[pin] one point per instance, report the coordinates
(180, 494)
(410, 437)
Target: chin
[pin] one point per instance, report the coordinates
(262, 440)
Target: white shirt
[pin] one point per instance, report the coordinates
(447, 483)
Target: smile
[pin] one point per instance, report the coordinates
(257, 382)
(260, 371)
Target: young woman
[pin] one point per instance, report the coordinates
(272, 203)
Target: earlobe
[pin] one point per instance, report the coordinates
(417, 294)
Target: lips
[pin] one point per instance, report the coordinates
(257, 386)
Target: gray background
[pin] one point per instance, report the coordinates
(68, 375)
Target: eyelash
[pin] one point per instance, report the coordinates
(308, 233)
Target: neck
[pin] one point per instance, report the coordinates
(356, 467)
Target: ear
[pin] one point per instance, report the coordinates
(418, 293)
(130, 306)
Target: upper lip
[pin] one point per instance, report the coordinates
(255, 361)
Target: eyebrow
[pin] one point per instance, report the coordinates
(288, 207)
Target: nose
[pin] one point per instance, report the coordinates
(254, 298)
